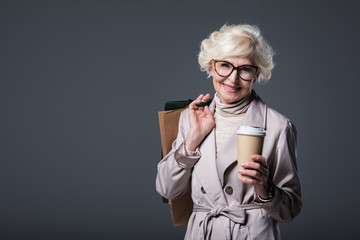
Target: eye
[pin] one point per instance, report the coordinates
(225, 65)
(247, 69)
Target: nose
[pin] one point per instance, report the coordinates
(234, 76)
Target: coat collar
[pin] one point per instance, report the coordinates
(255, 115)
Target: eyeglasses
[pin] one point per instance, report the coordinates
(245, 72)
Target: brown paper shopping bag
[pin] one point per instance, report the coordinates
(180, 208)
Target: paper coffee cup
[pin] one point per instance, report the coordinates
(250, 142)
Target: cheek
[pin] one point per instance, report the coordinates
(217, 84)
(249, 85)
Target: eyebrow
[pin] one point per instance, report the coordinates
(248, 64)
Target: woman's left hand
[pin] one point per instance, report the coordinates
(259, 173)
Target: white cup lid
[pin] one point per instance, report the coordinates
(251, 131)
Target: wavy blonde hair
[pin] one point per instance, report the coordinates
(238, 41)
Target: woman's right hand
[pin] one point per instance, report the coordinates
(201, 122)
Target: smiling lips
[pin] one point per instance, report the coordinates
(231, 89)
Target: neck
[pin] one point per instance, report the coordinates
(232, 109)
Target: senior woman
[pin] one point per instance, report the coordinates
(204, 155)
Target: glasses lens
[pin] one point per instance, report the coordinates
(247, 72)
(223, 68)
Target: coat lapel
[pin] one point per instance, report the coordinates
(256, 114)
(254, 117)
(206, 168)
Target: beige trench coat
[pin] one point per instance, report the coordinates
(224, 207)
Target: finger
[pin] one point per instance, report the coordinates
(252, 165)
(192, 105)
(259, 159)
(201, 100)
(207, 110)
(193, 108)
(255, 175)
(247, 180)
(255, 166)
(206, 98)
(198, 99)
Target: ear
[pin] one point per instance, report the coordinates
(211, 68)
(212, 71)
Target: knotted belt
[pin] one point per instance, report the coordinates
(236, 214)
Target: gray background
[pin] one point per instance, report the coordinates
(81, 83)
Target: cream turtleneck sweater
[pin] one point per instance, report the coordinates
(228, 117)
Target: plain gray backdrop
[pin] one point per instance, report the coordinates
(81, 83)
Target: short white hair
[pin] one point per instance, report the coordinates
(238, 41)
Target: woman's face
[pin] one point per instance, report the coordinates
(231, 89)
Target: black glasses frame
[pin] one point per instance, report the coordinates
(237, 69)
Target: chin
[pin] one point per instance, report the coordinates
(230, 100)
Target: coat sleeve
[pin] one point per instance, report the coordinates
(287, 202)
(174, 170)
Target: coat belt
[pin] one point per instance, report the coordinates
(236, 214)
